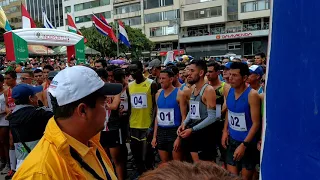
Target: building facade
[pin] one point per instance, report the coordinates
(12, 8)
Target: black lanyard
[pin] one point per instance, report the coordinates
(84, 165)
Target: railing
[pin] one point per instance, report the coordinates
(224, 30)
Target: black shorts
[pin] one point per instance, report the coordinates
(111, 139)
(250, 158)
(202, 142)
(166, 138)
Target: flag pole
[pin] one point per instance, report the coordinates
(117, 32)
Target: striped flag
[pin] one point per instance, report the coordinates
(123, 34)
(4, 23)
(73, 28)
(45, 20)
(27, 21)
(103, 27)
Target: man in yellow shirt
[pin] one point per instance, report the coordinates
(70, 147)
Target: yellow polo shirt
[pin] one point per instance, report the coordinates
(51, 158)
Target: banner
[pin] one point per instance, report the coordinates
(20, 48)
(80, 52)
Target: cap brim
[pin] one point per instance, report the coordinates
(111, 89)
(37, 89)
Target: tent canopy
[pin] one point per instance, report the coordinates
(88, 50)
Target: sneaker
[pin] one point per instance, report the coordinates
(5, 170)
(10, 174)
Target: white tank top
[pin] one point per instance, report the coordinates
(3, 121)
(49, 100)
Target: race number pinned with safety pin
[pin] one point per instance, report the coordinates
(139, 101)
(237, 121)
(165, 117)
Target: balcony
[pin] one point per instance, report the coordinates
(220, 33)
(122, 1)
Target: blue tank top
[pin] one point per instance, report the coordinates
(239, 115)
(182, 86)
(169, 114)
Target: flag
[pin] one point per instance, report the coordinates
(123, 34)
(73, 28)
(27, 21)
(4, 23)
(103, 27)
(111, 33)
(45, 20)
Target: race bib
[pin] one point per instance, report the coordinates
(166, 117)
(139, 101)
(218, 110)
(124, 105)
(194, 110)
(237, 121)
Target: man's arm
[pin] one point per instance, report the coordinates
(183, 104)
(226, 88)
(115, 102)
(210, 99)
(5, 92)
(156, 119)
(154, 90)
(255, 107)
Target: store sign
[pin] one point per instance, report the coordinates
(233, 36)
(52, 37)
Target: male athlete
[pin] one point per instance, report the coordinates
(142, 94)
(254, 79)
(198, 125)
(242, 123)
(171, 110)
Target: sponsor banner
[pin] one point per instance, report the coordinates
(175, 52)
(80, 52)
(20, 48)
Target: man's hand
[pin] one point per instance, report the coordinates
(181, 128)
(239, 152)
(224, 139)
(176, 144)
(154, 142)
(259, 145)
(186, 133)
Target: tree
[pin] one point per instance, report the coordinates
(139, 42)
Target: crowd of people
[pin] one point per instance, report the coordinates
(75, 122)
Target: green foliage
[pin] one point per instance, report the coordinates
(139, 42)
(39, 24)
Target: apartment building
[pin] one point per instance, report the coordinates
(12, 8)
(218, 27)
(81, 11)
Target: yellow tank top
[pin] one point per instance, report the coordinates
(141, 104)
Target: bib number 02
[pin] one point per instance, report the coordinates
(237, 121)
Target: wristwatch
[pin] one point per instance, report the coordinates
(246, 144)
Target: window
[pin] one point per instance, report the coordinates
(163, 31)
(251, 48)
(67, 9)
(107, 14)
(203, 13)
(149, 4)
(127, 8)
(161, 16)
(87, 18)
(132, 21)
(255, 6)
(91, 4)
(196, 1)
(234, 46)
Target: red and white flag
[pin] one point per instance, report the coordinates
(27, 21)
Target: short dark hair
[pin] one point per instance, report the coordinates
(168, 71)
(261, 54)
(67, 110)
(37, 71)
(111, 67)
(103, 62)
(102, 73)
(202, 64)
(22, 101)
(244, 69)
(139, 65)
(118, 74)
(1, 78)
(174, 69)
(30, 73)
(181, 66)
(49, 67)
(11, 73)
(215, 65)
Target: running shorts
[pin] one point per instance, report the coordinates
(166, 138)
(111, 139)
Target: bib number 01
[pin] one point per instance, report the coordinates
(165, 117)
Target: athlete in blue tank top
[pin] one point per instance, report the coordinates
(171, 109)
(242, 123)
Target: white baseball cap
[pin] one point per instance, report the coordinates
(77, 82)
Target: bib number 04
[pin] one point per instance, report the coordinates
(139, 101)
